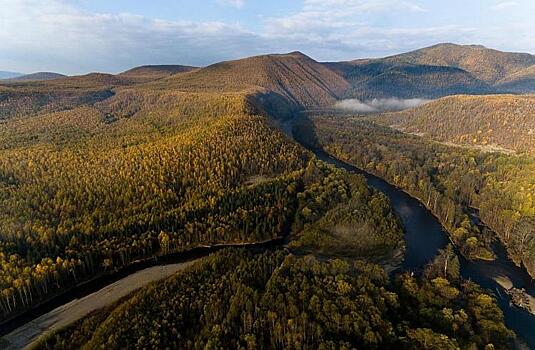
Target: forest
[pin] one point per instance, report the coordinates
(324, 292)
(237, 299)
(453, 182)
(91, 189)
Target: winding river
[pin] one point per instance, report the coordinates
(424, 236)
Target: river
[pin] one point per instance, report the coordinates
(425, 235)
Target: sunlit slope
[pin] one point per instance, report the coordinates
(295, 77)
(24, 99)
(505, 121)
(145, 172)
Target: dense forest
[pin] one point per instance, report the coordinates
(339, 215)
(448, 180)
(334, 298)
(235, 299)
(145, 172)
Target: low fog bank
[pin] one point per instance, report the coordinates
(379, 104)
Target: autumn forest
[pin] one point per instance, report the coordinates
(101, 172)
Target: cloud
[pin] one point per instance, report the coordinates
(345, 27)
(232, 3)
(378, 104)
(503, 5)
(58, 36)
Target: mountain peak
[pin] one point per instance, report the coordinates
(294, 76)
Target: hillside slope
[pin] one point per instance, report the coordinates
(439, 70)
(28, 98)
(300, 80)
(506, 121)
(153, 72)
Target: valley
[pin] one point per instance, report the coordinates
(380, 237)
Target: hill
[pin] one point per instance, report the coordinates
(294, 78)
(504, 121)
(39, 76)
(488, 65)
(9, 75)
(154, 72)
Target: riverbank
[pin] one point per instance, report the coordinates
(102, 280)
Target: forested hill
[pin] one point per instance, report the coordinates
(294, 76)
(505, 121)
(439, 70)
(521, 81)
(485, 64)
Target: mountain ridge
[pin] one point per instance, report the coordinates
(39, 76)
(474, 69)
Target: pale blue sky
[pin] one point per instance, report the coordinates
(80, 36)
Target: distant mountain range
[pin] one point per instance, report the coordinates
(439, 70)
(9, 75)
(284, 83)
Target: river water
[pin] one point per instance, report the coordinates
(425, 235)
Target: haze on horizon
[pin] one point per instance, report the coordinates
(80, 36)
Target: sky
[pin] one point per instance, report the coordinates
(81, 36)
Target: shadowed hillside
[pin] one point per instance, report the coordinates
(522, 81)
(506, 121)
(379, 80)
